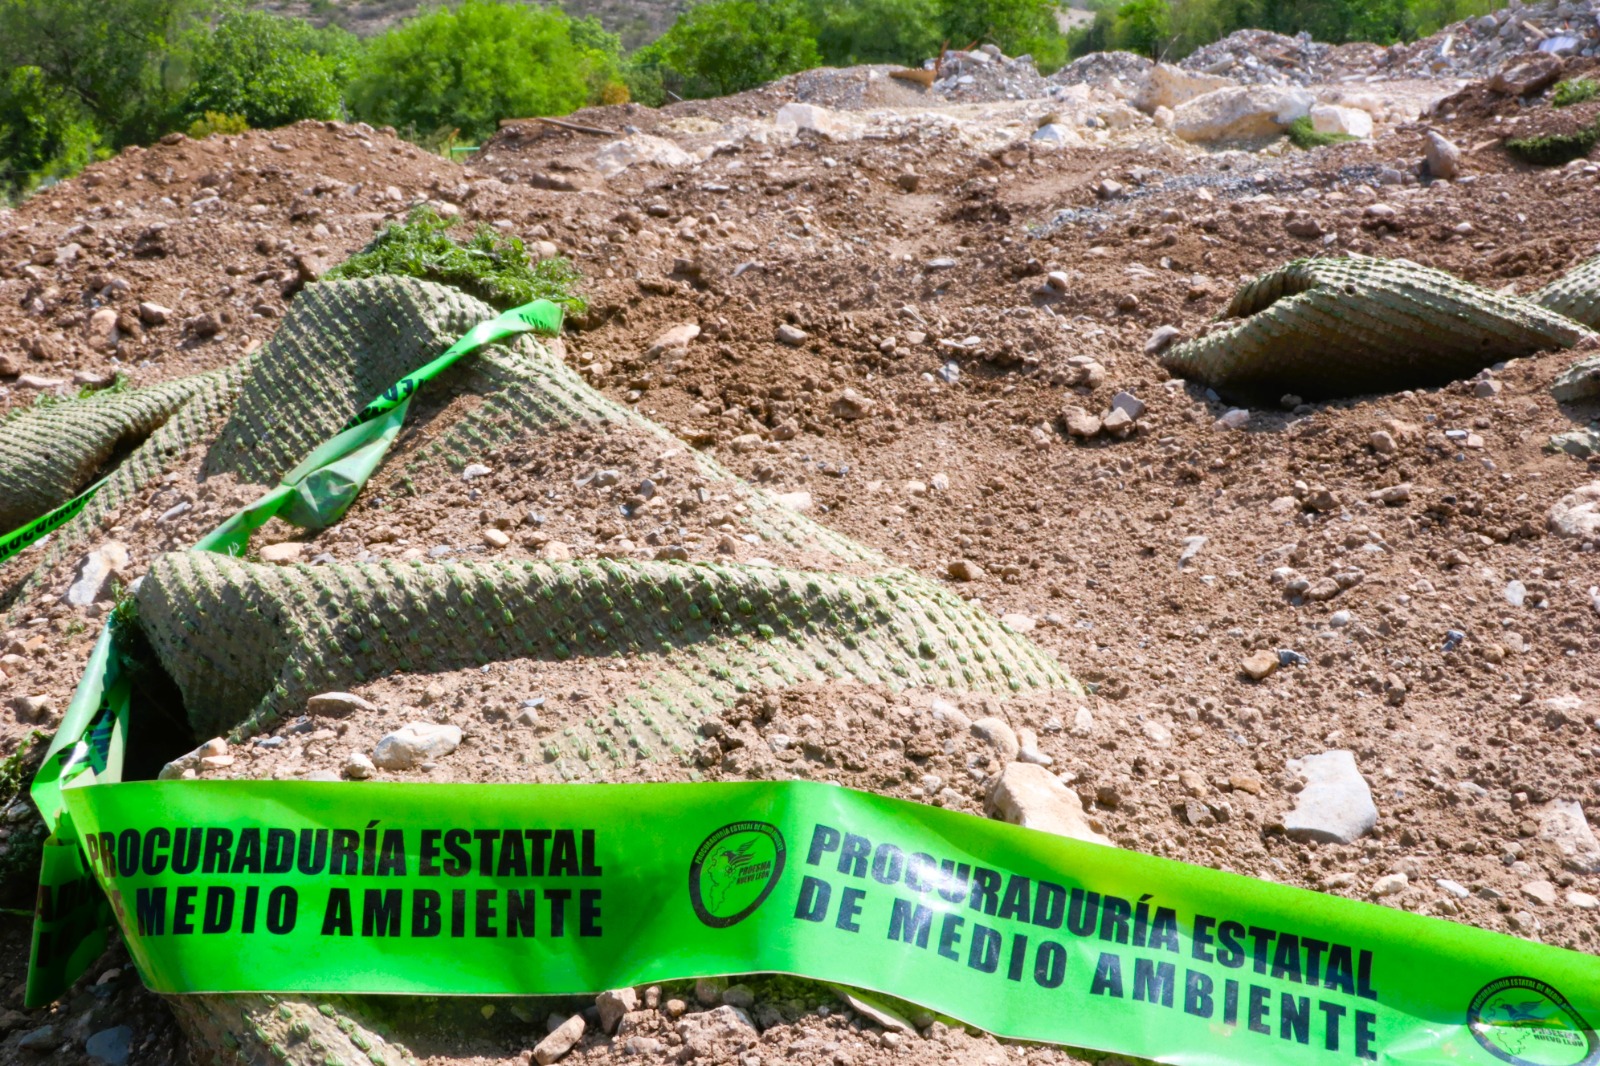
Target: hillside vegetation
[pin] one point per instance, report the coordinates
(78, 85)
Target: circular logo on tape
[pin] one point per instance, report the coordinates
(734, 871)
(1524, 1021)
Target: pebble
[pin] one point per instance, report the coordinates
(1584, 901)
(793, 336)
(1516, 593)
(33, 709)
(1034, 798)
(999, 736)
(1442, 157)
(965, 570)
(496, 538)
(1459, 891)
(415, 743)
(338, 705)
(285, 552)
(1541, 892)
(1234, 418)
(1336, 805)
(1161, 340)
(795, 501)
(110, 1046)
(1339, 619)
(1080, 423)
(1128, 402)
(40, 1040)
(153, 314)
(1260, 665)
(357, 767)
(560, 1041)
(1564, 825)
(885, 1018)
(613, 1005)
(1577, 514)
(474, 471)
(851, 405)
(1389, 885)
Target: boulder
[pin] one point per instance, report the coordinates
(1350, 121)
(1168, 86)
(1526, 75)
(1240, 113)
(619, 155)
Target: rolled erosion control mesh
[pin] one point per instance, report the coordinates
(247, 643)
(1575, 294)
(1320, 328)
(49, 453)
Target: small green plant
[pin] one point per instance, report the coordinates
(125, 609)
(1303, 135)
(494, 268)
(217, 122)
(1552, 150)
(1574, 91)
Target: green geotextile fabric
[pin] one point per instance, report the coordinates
(1575, 294)
(1340, 327)
(247, 643)
(192, 423)
(49, 453)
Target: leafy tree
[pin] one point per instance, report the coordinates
(1011, 24)
(120, 59)
(45, 134)
(271, 70)
(1143, 26)
(874, 31)
(467, 68)
(727, 46)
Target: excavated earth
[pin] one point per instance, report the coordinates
(920, 416)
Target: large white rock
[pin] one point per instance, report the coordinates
(793, 118)
(95, 573)
(618, 156)
(1028, 795)
(1335, 807)
(1564, 825)
(1169, 86)
(1350, 121)
(1577, 514)
(1240, 113)
(415, 743)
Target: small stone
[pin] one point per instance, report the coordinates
(851, 405)
(1117, 422)
(415, 743)
(555, 551)
(338, 705)
(474, 471)
(357, 767)
(496, 538)
(1233, 418)
(795, 501)
(1443, 159)
(103, 329)
(153, 314)
(678, 336)
(793, 336)
(1584, 901)
(39, 382)
(1541, 892)
(1161, 340)
(613, 1005)
(1034, 798)
(1260, 665)
(1577, 514)
(1389, 885)
(1452, 888)
(1127, 401)
(285, 552)
(96, 572)
(1080, 423)
(1242, 783)
(965, 570)
(33, 710)
(1486, 389)
(1058, 281)
(560, 1041)
(1383, 442)
(1339, 619)
(40, 1041)
(1336, 805)
(885, 1018)
(110, 1046)
(999, 736)
(1563, 824)
(708, 990)
(739, 996)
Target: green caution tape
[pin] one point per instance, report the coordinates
(249, 886)
(88, 746)
(17, 540)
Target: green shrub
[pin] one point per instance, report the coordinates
(727, 46)
(874, 31)
(268, 69)
(45, 134)
(1303, 135)
(1552, 150)
(1017, 26)
(1574, 91)
(468, 68)
(493, 268)
(216, 122)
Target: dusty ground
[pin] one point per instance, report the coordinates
(925, 297)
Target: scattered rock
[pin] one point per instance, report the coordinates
(613, 1005)
(1577, 514)
(110, 1046)
(1080, 423)
(965, 570)
(1541, 892)
(1348, 121)
(1442, 158)
(1260, 665)
(1162, 339)
(1031, 796)
(678, 336)
(357, 767)
(473, 471)
(338, 705)
(1564, 825)
(793, 336)
(96, 572)
(496, 538)
(796, 501)
(999, 736)
(284, 552)
(33, 710)
(1389, 885)
(102, 330)
(1524, 76)
(1240, 113)
(851, 405)
(560, 1041)
(415, 743)
(1335, 807)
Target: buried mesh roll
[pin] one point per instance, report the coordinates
(50, 453)
(1575, 294)
(247, 643)
(1341, 327)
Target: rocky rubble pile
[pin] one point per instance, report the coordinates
(1480, 47)
(1263, 57)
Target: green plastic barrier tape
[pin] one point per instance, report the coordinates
(19, 539)
(250, 886)
(89, 745)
